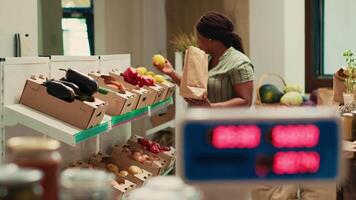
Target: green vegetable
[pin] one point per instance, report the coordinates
(103, 90)
(269, 94)
(59, 90)
(292, 99)
(86, 83)
(291, 87)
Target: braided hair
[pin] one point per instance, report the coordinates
(217, 26)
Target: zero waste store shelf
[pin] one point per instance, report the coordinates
(64, 132)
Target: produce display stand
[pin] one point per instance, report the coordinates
(21, 114)
(18, 119)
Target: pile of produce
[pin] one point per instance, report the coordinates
(142, 77)
(132, 76)
(112, 83)
(151, 146)
(291, 96)
(75, 85)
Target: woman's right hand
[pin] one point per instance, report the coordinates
(166, 69)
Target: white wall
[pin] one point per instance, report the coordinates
(340, 32)
(294, 41)
(277, 38)
(136, 26)
(17, 16)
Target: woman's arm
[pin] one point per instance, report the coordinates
(168, 70)
(244, 91)
(175, 77)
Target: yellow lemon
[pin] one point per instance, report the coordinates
(150, 73)
(159, 78)
(158, 61)
(141, 70)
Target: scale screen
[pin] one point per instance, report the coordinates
(283, 149)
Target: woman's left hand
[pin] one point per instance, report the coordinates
(195, 102)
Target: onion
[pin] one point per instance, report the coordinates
(134, 170)
(123, 173)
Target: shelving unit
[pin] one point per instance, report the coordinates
(169, 124)
(64, 132)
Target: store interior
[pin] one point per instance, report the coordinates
(88, 110)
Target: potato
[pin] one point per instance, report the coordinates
(133, 169)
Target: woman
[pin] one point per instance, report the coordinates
(231, 73)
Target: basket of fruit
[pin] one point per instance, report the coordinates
(269, 95)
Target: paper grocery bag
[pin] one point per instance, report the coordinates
(195, 74)
(325, 97)
(339, 86)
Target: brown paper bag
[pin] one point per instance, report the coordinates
(195, 74)
(325, 97)
(339, 86)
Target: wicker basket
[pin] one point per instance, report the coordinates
(260, 82)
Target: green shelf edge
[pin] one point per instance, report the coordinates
(91, 132)
(168, 171)
(128, 116)
(163, 102)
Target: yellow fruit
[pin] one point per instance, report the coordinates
(141, 70)
(159, 78)
(150, 73)
(158, 61)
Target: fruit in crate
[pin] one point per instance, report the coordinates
(146, 80)
(151, 146)
(292, 99)
(269, 94)
(159, 78)
(86, 84)
(158, 61)
(141, 70)
(150, 73)
(71, 85)
(133, 169)
(131, 76)
(292, 87)
(59, 90)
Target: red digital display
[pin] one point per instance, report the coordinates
(296, 162)
(295, 136)
(236, 137)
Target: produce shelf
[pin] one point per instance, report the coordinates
(57, 129)
(136, 114)
(64, 132)
(166, 173)
(169, 124)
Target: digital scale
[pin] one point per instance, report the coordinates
(227, 149)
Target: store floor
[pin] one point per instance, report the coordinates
(285, 192)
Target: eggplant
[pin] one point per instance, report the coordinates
(86, 83)
(71, 85)
(59, 90)
(84, 97)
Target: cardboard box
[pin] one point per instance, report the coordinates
(162, 162)
(163, 117)
(169, 156)
(100, 161)
(77, 113)
(146, 97)
(170, 88)
(158, 92)
(119, 103)
(121, 184)
(156, 168)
